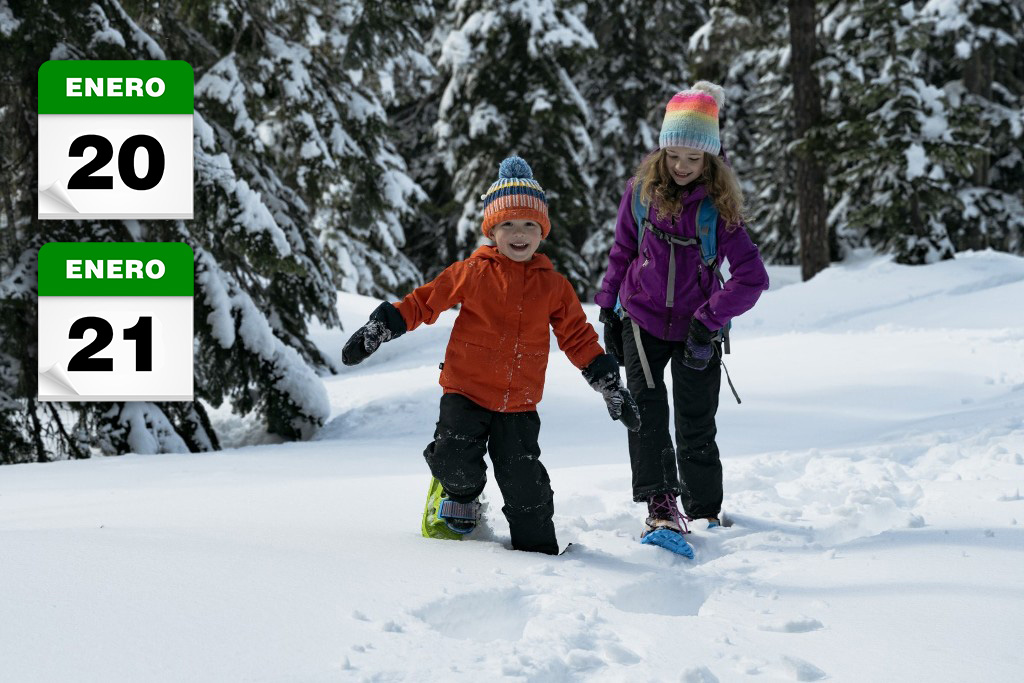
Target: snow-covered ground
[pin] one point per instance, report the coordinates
(874, 474)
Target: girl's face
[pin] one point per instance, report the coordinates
(684, 164)
(517, 240)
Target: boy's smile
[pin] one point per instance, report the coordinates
(517, 240)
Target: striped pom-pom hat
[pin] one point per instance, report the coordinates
(691, 118)
(515, 195)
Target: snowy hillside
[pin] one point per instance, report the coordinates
(873, 472)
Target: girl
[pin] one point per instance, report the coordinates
(674, 309)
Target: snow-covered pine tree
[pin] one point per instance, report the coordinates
(20, 417)
(642, 59)
(295, 95)
(431, 234)
(976, 58)
(509, 72)
(745, 43)
(367, 55)
(896, 151)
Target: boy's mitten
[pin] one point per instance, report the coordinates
(385, 324)
(603, 375)
(698, 349)
(613, 334)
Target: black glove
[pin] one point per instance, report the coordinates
(385, 324)
(613, 334)
(603, 375)
(698, 349)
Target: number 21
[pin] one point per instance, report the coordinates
(141, 333)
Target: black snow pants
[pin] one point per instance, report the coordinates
(465, 431)
(695, 400)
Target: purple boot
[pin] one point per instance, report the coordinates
(666, 525)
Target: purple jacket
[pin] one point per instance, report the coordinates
(641, 283)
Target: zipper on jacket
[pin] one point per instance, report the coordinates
(515, 372)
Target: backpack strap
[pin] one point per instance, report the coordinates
(644, 363)
(639, 209)
(707, 233)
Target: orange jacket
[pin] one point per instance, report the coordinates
(498, 351)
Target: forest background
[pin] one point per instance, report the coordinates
(342, 145)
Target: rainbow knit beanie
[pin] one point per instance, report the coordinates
(691, 118)
(515, 195)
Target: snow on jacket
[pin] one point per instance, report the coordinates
(498, 351)
(641, 283)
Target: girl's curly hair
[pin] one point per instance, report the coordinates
(657, 187)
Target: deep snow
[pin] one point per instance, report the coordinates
(873, 472)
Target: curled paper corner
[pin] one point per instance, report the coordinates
(59, 194)
(56, 373)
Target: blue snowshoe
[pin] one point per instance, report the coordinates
(669, 540)
(666, 526)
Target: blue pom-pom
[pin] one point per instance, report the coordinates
(515, 167)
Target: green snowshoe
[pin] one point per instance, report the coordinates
(446, 519)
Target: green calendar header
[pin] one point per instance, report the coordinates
(116, 87)
(116, 269)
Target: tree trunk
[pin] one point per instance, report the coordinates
(978, 73)
(810, 190)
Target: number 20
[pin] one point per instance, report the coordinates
(83, 361)
(83, 178)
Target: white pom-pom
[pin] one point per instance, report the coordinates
(713, 89)
(515, 167)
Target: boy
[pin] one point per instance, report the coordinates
(493, 371)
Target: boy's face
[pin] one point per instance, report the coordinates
(684, 164)
(517, 240)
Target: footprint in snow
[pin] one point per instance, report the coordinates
(698, 674)
(661, 595)
(801, 670)
(805, 625)
(620, 654)
(481, 617)
(621, 522)
(392, 627)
